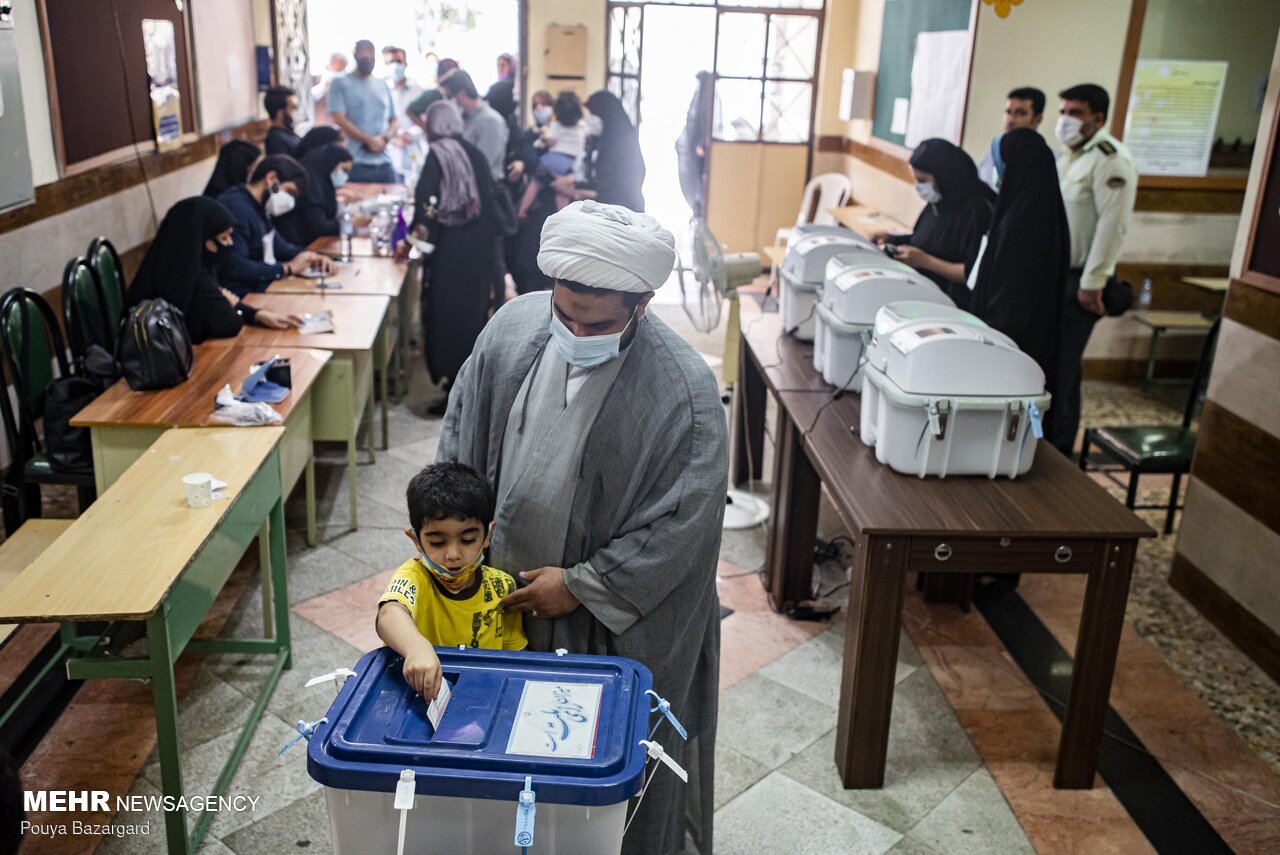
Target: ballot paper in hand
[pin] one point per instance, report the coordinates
(435, 709)
(316, 322)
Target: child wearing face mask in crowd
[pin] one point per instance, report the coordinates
(565, 139)
(446, 596)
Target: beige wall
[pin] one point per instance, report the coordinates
(589, 13)
(754, 189)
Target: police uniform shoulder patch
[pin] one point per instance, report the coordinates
(1108, 149)
(1115, 182)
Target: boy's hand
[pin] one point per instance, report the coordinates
(422, 672)
(546, 595)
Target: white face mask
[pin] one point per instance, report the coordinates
(542, 115)
(279, 202)
(397, 70)
(928, 192)
(595, 125)
(1068, 131)
(586, 351)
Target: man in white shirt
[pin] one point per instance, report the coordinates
(408, 147)
(1023, 108)
(1099, 184)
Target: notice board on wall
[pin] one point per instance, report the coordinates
(904, 22)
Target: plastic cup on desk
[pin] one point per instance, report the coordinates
(199, 486)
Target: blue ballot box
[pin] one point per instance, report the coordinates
(567, 728)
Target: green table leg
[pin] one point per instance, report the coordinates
(381, 357)
(264, 574)
(309, 484)
(165, 696)
(280, 585)
(1150, 379)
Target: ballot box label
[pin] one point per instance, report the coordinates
(556, 719)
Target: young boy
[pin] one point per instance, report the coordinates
(446, 596)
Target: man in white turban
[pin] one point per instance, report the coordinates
(603, 434)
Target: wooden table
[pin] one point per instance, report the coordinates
(343, 393)
(359, 190)
(1054, 519)
(20, 549)
(368, 275)
(1168, 322)
(864, 220)
(139, 553)
(331, 245)
(123, 423)
(1208, 283)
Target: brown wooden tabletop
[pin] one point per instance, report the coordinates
(356, 321)
(190, 404)
(357, 190)
(361, 247)
(786, 362)
(1052, 499)
(359, 276)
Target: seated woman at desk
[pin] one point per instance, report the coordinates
(317, 212)
(181, 266)
(945, 241)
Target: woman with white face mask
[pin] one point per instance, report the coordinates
(948, 234)
(259, 254)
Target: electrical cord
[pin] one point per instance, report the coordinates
(133, 129)
(836, 395)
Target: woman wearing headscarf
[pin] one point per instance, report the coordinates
(614, 164)
(453, 205)
(316, 213)
(947, 234)
(181, 265)
(235, 159)
(316, 137)
(1020, 278)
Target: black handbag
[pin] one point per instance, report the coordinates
(68, 448)
(1117, 297)
(153, 348)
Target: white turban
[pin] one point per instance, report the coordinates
(606, 246)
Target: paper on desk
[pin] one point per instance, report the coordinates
(317, 322)
(219, 488)
(435, 709)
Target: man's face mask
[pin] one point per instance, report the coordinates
(397, 70)
(280, 202)
(364, 64)
(1069, 130)
(587, 351)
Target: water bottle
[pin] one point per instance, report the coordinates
(1144, 297)
(380, 232)
(346, 228)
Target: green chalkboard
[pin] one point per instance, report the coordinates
(903, 21)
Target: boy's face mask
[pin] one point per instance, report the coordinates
(453, 581)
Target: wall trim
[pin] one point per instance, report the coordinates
(72, 191)
(1254, 638)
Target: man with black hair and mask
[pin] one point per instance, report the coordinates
(1099, 184)
(258, 255)
(280, 102)
(360, 104)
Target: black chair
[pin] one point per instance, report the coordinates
(104, 261)
(30, 346)
(1152, 449)
(84, 310)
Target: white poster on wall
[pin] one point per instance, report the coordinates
(937, 86)
(1173, 115)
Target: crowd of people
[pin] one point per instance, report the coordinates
(1026, 241)
(483, 189)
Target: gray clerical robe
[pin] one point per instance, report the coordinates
(646, 522)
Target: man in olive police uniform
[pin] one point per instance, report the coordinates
(1099, 183)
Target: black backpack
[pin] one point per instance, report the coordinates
(153, 348)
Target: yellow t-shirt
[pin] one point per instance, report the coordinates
(478, 621)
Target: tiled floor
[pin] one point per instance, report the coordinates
(972, 743)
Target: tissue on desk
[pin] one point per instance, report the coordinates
(229, 411)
